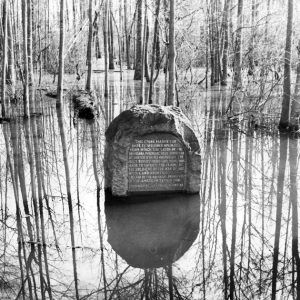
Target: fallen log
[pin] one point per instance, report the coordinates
(52, 93)
(84, 107)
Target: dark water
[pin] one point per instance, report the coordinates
(59, 239)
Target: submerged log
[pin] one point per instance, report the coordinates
(4, 120)
(84, 107)
(52, 93)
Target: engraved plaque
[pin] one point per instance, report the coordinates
(149, 149)
(156, 162)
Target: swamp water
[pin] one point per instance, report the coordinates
(227, 241)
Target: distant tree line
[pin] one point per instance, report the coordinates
(233, 42)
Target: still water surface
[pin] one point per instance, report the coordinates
(238, 238)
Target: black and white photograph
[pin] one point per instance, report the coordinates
(149, 149)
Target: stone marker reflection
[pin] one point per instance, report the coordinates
(154, 230)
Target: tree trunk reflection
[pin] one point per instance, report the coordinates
(280, 189)
(293, 157)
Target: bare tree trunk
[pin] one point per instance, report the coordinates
(40, 45)
(142, 97)
(30, 59)
(82, 9)
(25, 59)
(157, 51)
(4, 61)
(138, 60)
(111, 38)
(11, 76)
(172, 54)
(252, 38)
(105, 39)
(224, 72)
(74, 16)
(121, 30)
(218, 41)
(154, 47)
(146, 51)
(267, 21)
(59, 100)
(213, 10)
(295, 108)
(284, 122)
(211, 36)
(238, 47)
(120, 47)
(126, 36)
(89, 48)
(207, 44)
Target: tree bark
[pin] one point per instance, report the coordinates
(30, 58)
(172, 53)
(120, 48)
(142, 96)
(74, 16)
(4, 60)
(157, 51)
(25, 59)
(238, 47)
(138, 59)
(267, 21)
(105, 40)
(226, 43)
(39, 59)
(11, 75)
(59, 100)
(252, 38)
(127, 43)
(111, 38)
(146, 65)
(295, 108)
(154, 50)
(284, 122)
(89, 48)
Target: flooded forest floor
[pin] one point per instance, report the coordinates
(238, 238)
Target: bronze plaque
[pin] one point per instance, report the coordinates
(156, 162)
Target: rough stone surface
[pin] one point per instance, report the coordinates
(141, 121)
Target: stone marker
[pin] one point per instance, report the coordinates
(151, 148)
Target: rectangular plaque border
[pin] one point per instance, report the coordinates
(160, 191)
